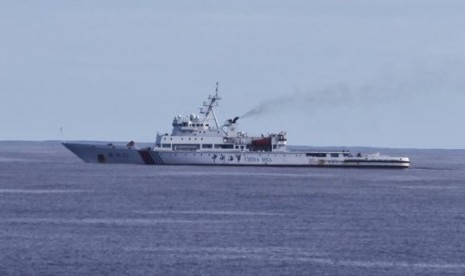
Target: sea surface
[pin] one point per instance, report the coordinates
(61, 216)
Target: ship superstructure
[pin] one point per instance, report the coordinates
(202, 133)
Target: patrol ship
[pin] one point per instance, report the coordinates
(200, 140)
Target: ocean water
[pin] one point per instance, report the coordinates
(60, 216)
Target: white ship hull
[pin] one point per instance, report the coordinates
(119, 154)
(289, 159)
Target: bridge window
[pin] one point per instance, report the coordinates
(223, 146)
(316, 154)
(184, 147)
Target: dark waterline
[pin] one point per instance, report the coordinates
(60, 216)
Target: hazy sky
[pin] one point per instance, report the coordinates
(387, 73)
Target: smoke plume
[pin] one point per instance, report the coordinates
(312, 100)
(406, 88)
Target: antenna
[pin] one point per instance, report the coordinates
(208, 107)
(61, 134)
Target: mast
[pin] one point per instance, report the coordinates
(210, 105)
(216, 98)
